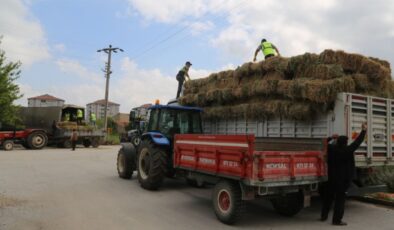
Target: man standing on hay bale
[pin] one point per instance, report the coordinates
(180, 77)
(79, 116)
(341, 167)
(268, 49)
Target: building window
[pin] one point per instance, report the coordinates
(43, 101)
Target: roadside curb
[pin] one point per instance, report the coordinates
(374, 201)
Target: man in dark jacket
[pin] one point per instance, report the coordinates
(341, 167)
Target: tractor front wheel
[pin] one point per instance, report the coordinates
(125, 165)
(8, 145)
(151, 165)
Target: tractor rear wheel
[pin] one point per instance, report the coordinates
(288, 205)
(227, 201)
(151, 165)
(37, 140)
(8, 145)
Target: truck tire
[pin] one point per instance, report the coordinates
(67, 144)
(95, 142)
(37, 140)
(151, 165)
(125, 164)
(8, 145)
(288, 205)
(227, 201)
(86, 143)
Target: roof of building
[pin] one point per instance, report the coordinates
(102, 102)
(46, 97)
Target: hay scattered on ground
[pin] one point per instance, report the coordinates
(6, 201)
(298, 87)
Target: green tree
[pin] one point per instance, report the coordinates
(9, 91)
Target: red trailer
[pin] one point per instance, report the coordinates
(29, 138)
(242, 167)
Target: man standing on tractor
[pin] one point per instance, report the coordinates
(180, 77)
(268, 49)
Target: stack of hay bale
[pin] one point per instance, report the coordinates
(297, 88)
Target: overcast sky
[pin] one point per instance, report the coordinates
(56, 40)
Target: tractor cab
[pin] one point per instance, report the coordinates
(168, 120)
(153, 157)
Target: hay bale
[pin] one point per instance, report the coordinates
(243, 70)
(298, 64)
(289, 87)
(266, 109)
(382, 62)
(355, 63)
(321, 71)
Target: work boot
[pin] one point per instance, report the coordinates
(340, 223)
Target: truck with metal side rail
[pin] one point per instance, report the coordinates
(59, 122)
(241, 167)
(349, 112)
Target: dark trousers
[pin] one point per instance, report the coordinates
(180, 84)
(268, 56)
(73, 144)
(337, 195)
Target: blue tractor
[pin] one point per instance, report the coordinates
(153, 158)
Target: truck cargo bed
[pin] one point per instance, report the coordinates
(350, 111)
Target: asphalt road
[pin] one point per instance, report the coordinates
(60, 189)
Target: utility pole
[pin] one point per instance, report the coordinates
(108, 72)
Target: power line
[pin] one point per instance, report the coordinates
(189, 34)
(189, 26)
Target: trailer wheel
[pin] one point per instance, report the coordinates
(151, 165)
(288, 205)
(37, 140)
(86, 143)
(124, 165)
(8, 145)
(227, 201)
(95, 142)
(67, 144)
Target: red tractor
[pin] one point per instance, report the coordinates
(29, 138)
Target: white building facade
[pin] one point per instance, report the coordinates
(98, 107)
(45, 100)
